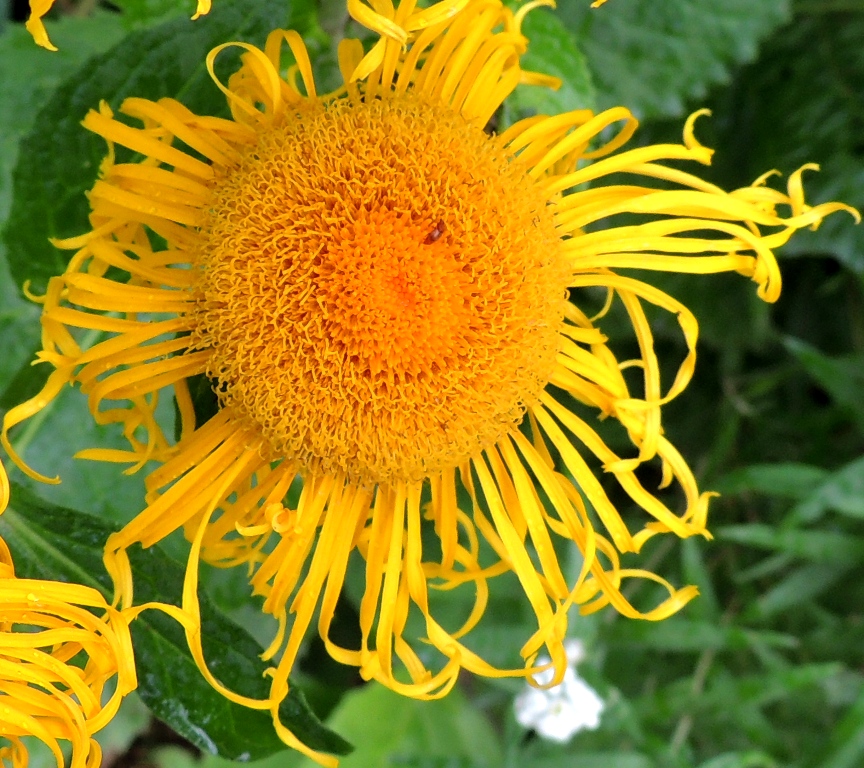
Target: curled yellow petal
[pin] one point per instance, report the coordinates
(44, 626)
(34, 25)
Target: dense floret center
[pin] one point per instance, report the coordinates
(381, 288)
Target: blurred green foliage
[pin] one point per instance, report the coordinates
(764, 669)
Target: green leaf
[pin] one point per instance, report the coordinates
(841, 491)
(740, 760)
(595, 760)
(654, 58)
(388, 729)
(696, 572)
(21, 383)
(791, 480)
(846, 746)
(19, 338)
(33, 73)
(763, 689)
(139, 13)
(50, 542)
(800, 586)
(816, 546)
(59, 159)
(682, 635)
(841, 377)
(552, 50)
(765, 568)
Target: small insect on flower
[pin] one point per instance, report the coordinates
(433, 236)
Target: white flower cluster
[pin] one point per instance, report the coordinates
(560, 712)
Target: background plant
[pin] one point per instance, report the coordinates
(765, 668)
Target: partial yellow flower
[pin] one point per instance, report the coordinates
(60, 646)
(39, 8)
(386, 301)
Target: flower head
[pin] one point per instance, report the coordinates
(386, 301)
(56, 658)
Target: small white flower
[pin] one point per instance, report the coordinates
(574, 650)
(558, 713)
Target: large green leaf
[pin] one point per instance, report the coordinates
(594, 760)
(740, 760)
(840, 491)
(655, 57)
(695, 571)
(841, 377)
(802, 584)
(552, 50)
(51, 542)
(846, 746)
(141, 13)
(388, 729)
(763, 689)
(790, 480)
(817, 546)
(58, 160)
(37, 73)
(682, 635)
(19, 329)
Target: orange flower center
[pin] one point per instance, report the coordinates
(395, 293)
(381, 288)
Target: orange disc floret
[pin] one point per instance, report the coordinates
(386, 310)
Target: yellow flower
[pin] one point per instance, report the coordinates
(378, 291)
(39, 8)
(56, 657)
